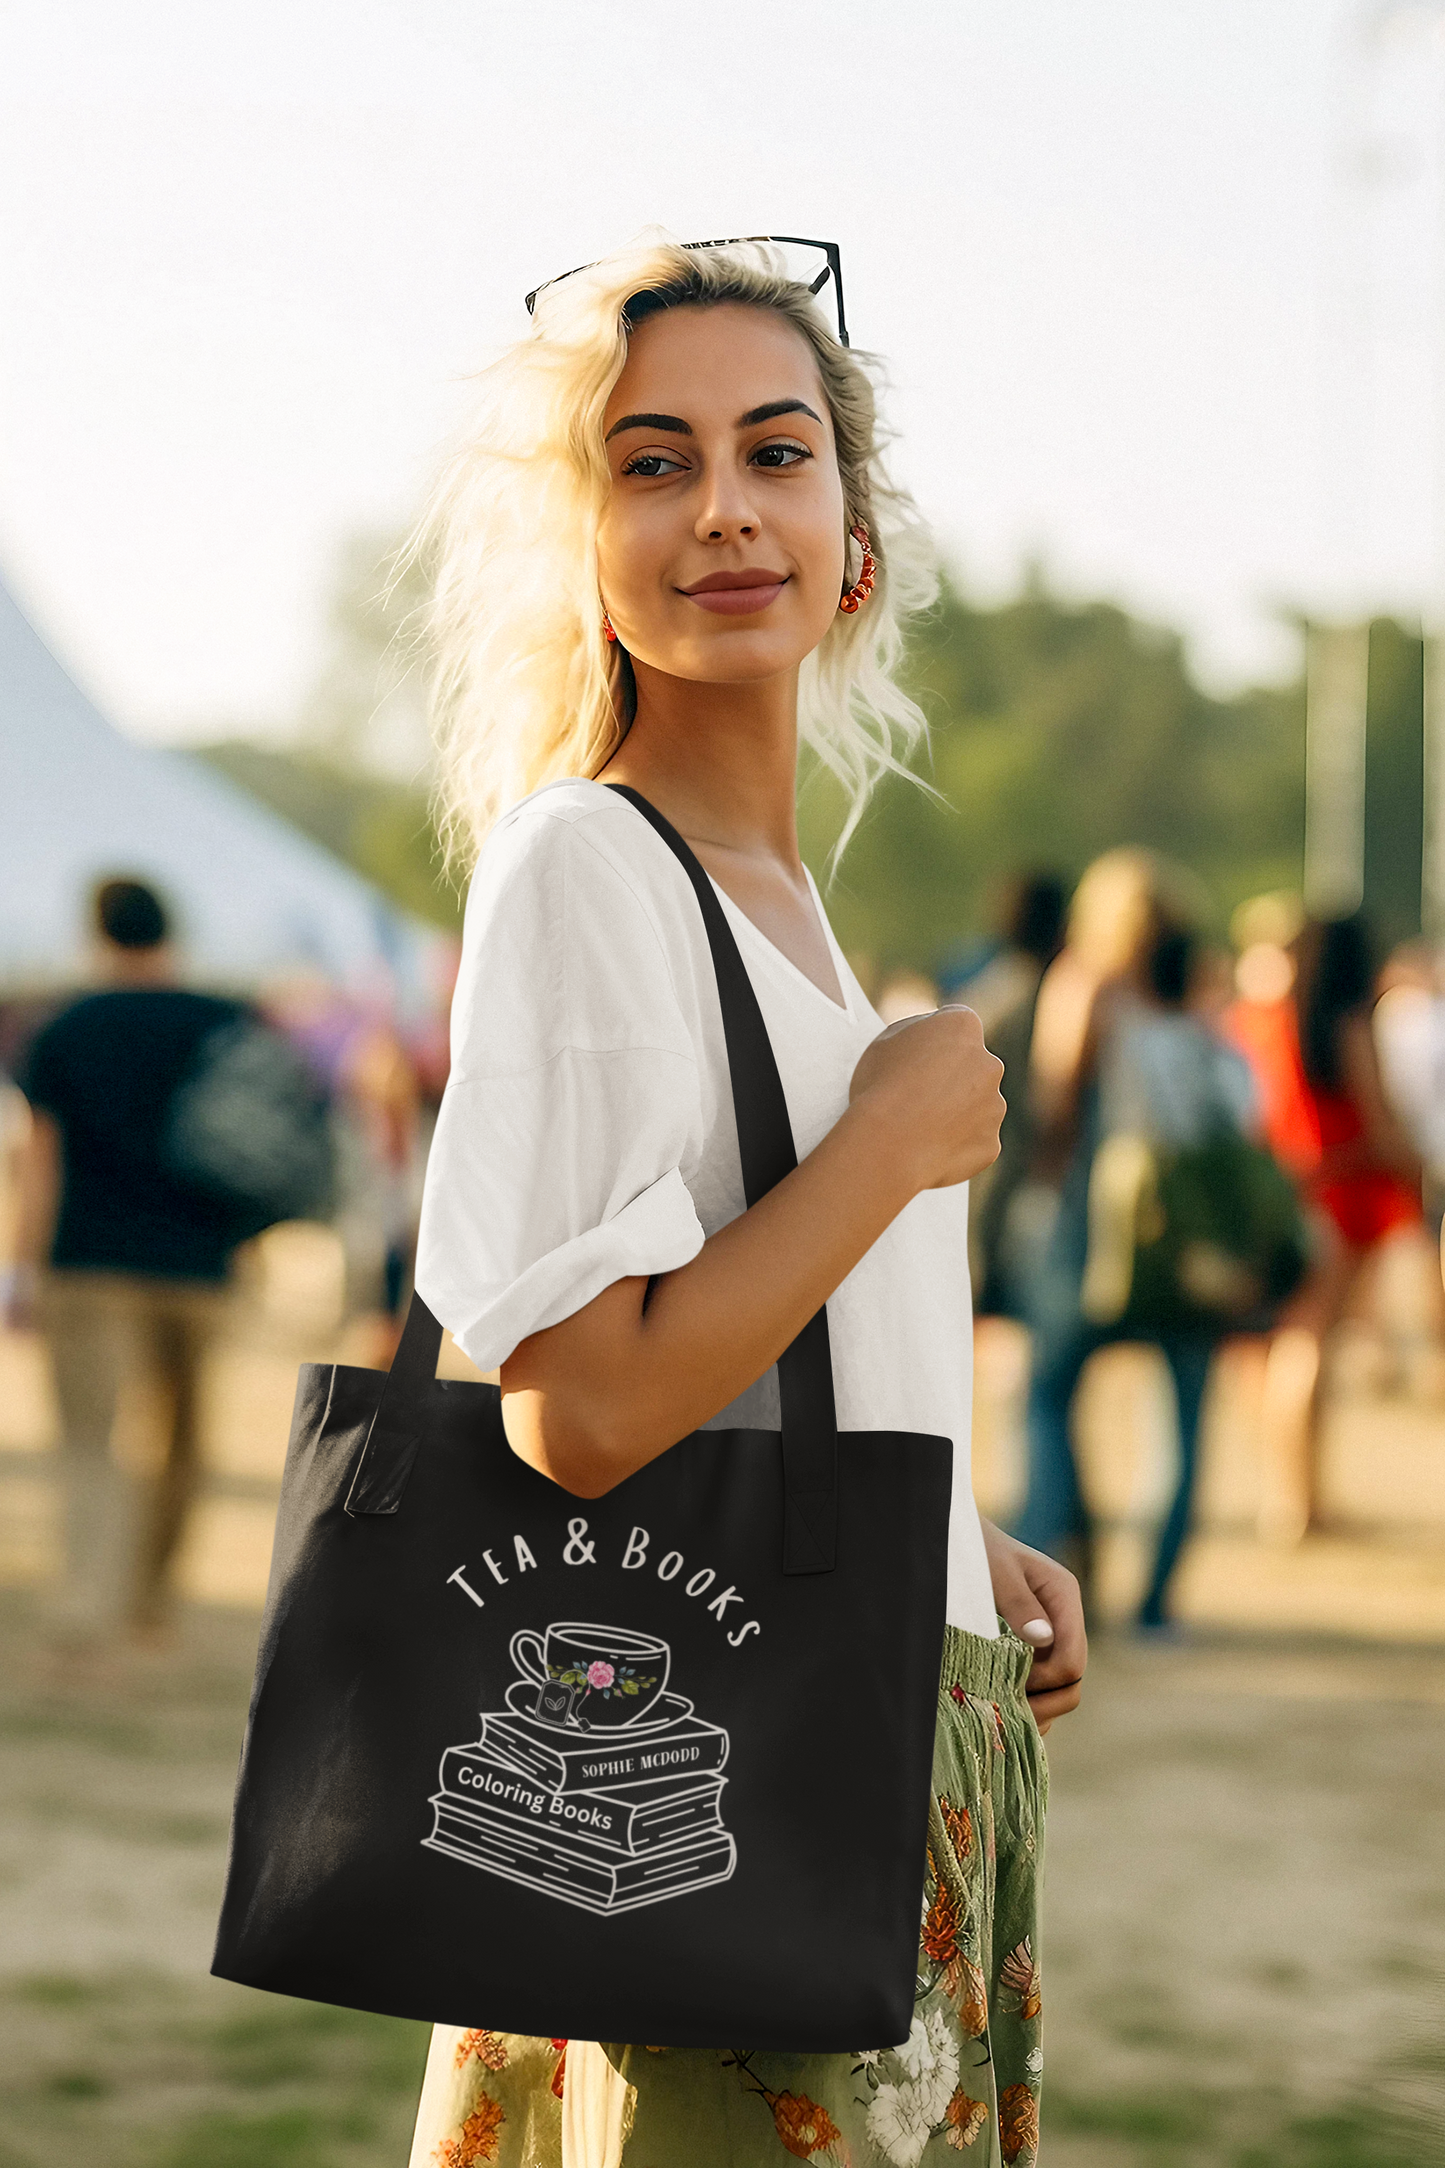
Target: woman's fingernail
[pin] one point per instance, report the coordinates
(1038, 1630)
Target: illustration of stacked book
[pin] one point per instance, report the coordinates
(606, 1819)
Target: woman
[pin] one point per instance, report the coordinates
(645, 576)
(1328, 1120)
(1115, 1062)
(1168, 1088)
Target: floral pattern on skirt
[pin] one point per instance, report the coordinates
(962, 2088)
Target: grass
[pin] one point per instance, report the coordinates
(144, 2071)
(1229, 2130)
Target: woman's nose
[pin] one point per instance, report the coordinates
(727, 512)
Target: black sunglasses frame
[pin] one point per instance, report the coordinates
(832, 269)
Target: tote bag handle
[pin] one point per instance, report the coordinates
(767, 1152)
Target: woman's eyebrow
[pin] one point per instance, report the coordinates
(680, 428)
(773, 409)
(673, 422)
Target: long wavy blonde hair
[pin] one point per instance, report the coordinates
(524, 687)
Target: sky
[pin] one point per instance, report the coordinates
(1158, 287)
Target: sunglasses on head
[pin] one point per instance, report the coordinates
(830, 251)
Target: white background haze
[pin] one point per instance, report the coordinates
(1148, 314)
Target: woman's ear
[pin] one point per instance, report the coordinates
(852, 552)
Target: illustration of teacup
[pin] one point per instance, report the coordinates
(601, 1677)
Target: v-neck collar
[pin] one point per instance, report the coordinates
(735, 911)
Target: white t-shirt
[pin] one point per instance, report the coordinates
(587, 1131)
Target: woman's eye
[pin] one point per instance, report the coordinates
(648, 464)
(780, 455)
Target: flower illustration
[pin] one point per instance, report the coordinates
(991, 1716)
(803, 2127)
(1020, 1978)
(966, 2119)
(600, 1677)
(1018, 2124)
(488, 2048)
(940, 1927)
(969, 1990)
(478, 2139)
(899, 2125)
(904, 2114)
(929, 2062)
(959, 1824)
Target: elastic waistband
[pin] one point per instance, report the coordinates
(994, 1669)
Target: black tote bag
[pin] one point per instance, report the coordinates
(652, 1766)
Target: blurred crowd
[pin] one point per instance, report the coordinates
(150, 1134)
(1200, 1142)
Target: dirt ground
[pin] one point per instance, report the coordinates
(1245, 1948)
(1245, 1941)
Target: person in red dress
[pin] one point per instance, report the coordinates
(1327, 1119)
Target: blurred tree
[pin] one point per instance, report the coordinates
(368, 708)
(380, 826)
(356, 778)
(1059, 730)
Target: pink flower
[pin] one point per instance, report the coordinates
(600, 1675)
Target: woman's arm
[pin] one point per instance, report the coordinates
(593, 1399)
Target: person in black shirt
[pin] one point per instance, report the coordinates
(137, 1258)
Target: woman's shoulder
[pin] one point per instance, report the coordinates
(571, 932)
(578, 831)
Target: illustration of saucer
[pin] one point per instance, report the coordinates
(522, 1701)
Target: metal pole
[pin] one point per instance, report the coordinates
(1337, 676)
(1375, 22)
(1432, 867)
(1432, 861)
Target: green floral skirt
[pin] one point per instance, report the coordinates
(963, 2086)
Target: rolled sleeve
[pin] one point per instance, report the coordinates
(656, 1232)
(559, 1164)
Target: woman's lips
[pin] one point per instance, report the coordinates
(737, 601)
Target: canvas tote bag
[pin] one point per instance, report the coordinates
(647, 1767)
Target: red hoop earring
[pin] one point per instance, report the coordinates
(854, 597)
(607, 631)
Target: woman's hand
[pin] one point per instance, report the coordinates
(591, 1400)
(937, 1087)
(1040, 1599)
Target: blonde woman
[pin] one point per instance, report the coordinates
(665, 553)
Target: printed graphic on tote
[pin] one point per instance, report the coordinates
(594, 1783)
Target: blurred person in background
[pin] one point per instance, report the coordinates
(1115, 1054)
(14, 1135)
(1006, 979)
(145, 1098)
(376, 1095)
(1004, 995)
(1410, 1038)
(1305, 1025)
(904, 994)
(1168, 1087)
